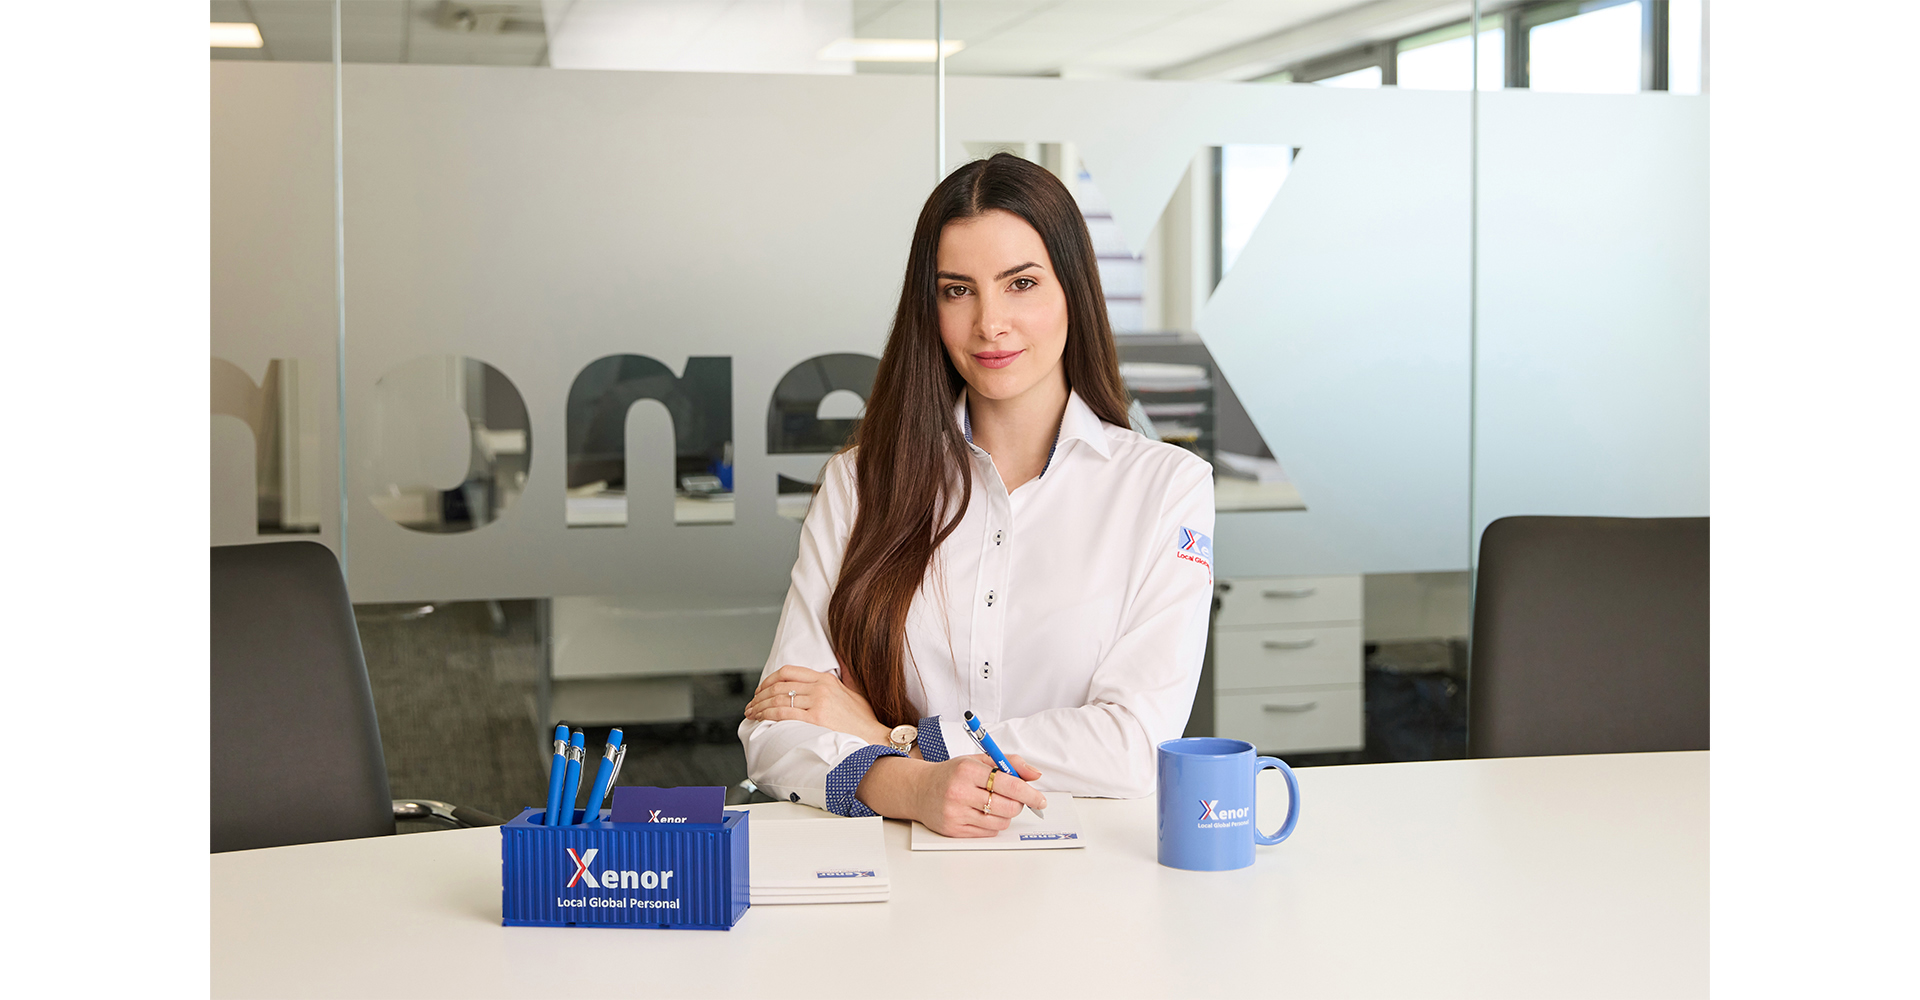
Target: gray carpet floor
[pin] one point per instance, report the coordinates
(454, 690)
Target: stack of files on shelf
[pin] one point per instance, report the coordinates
(818, 861)
(1153, 376)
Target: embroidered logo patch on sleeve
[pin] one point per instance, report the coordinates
(1193, 546)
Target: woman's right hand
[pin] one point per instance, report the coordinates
(949, 795)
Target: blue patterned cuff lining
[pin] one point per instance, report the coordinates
(933, 745)
(844, 780)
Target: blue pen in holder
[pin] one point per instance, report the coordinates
(604, 874)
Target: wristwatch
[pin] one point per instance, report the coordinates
(902, 738)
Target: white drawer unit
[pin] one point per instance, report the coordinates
(1286, 657)
(1294, 720)
(1289, 600)
(1289, 663)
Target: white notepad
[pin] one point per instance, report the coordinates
(1027, 832)
(817, 861)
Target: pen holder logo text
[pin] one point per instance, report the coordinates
(583, 872)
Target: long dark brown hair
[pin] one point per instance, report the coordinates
(912, 469)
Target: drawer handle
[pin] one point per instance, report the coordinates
(1302, 592)
(1308, 707)
(1287, 643)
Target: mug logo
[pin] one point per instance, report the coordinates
(1210, 810)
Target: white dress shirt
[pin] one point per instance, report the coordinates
(1069, 615)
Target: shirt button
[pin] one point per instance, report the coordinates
(989, 598)
(985, 670)
(997, 536)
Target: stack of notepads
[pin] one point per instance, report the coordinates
(818, 861)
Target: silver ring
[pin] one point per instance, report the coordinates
(988, 808)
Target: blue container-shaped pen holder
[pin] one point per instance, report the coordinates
(607, 874)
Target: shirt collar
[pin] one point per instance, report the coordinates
(1078, 423)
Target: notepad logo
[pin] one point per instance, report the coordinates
(1049, 836)
(847, 873)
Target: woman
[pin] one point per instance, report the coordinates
(996, 539)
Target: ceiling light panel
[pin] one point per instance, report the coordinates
(909, 50)
(235, 35)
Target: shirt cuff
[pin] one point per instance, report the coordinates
(943, 737)
(933, 745)
(844, 780)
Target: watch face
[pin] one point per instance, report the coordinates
(903, 735)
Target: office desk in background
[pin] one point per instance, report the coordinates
(1518, 877)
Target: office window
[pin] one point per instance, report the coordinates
(1122, 275)
(1249, 178)
(1684, 38)
(1365, 78)
(1443, 59)
(1597, 52)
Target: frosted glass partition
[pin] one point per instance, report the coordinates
(1592, 390)
(536, 223)
(1343, 321)
(274, 425)
(671, 287)
(728, 227)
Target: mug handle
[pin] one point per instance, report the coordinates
(1293, 801)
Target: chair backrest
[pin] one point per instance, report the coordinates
(296, 747)
(1589, 636)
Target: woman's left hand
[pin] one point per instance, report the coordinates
(816, 696)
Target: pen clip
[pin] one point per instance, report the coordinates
(619, 758)
(981, 744)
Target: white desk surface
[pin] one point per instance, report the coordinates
(1521, 877)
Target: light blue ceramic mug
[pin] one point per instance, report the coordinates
(1206, 803)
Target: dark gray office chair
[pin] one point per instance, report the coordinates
(296, 747)
(1589, 636)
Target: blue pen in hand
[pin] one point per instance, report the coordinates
(576, 754)
(984, 741)
(610, 762)
(556, 779)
